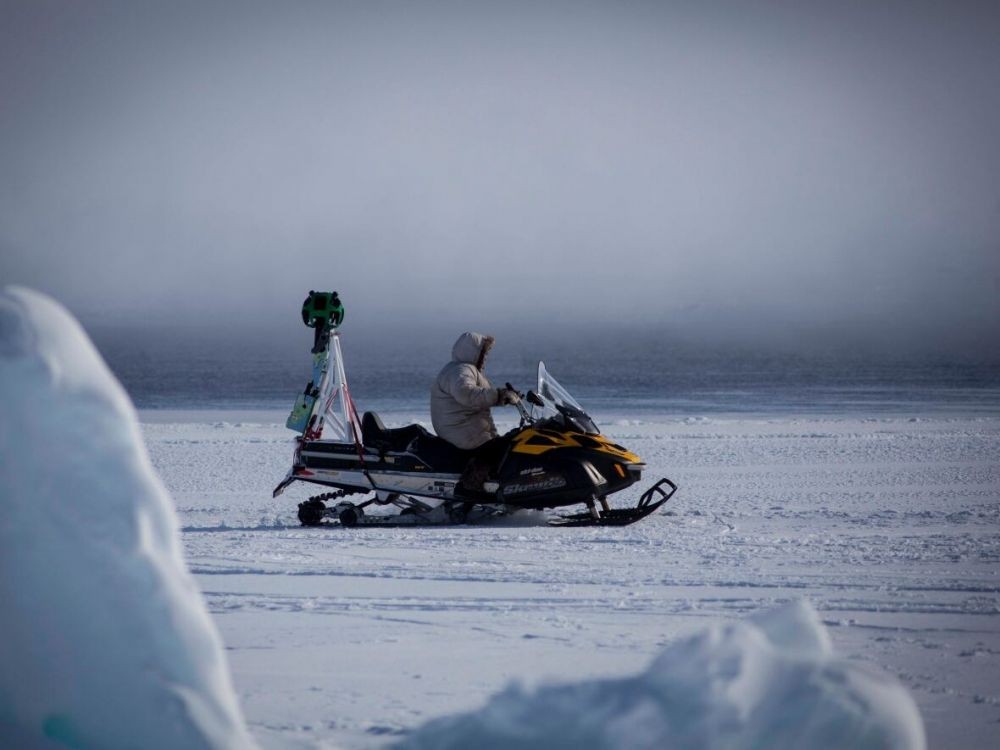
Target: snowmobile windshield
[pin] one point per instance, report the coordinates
(559, 403)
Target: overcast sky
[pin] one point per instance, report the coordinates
(773, 169)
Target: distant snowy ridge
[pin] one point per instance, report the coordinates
(106, 642)
(770, 682)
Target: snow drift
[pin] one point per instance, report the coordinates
(768, 682)
(106, 642)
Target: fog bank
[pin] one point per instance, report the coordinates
(787, 175)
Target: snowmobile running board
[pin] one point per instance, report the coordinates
(313, 511)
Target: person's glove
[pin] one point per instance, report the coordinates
(507, 396)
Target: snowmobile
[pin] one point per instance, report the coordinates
(556, 457)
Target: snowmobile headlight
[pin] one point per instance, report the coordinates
(636, 470)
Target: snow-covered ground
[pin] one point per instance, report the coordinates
(890, 527)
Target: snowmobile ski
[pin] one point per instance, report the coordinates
(621, 516)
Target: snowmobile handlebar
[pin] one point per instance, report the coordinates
(525, 417)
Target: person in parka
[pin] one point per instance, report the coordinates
(461, 399)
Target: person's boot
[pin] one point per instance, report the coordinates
(474, 476)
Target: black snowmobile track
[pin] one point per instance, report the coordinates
(471, 513)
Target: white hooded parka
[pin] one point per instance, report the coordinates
(461, 396)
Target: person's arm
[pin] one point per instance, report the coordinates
(506, 396)
(469, 393)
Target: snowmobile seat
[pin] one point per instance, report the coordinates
(436, 452)
(375, 435)
(440, 455)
